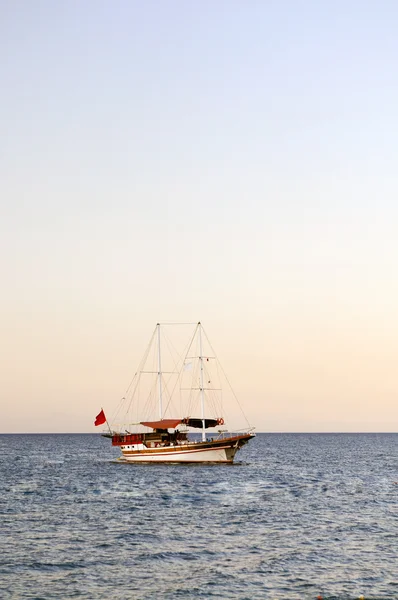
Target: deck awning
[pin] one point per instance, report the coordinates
(198, 423)
(172, 423)
(163, 424)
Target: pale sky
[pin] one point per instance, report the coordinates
(233, 162)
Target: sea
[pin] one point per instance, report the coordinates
(298, 516)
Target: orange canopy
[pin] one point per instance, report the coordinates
(164, 424)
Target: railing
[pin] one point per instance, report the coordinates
(193, 438)
(221, 435)
(233, 434)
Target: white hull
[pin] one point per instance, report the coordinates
(221, 454)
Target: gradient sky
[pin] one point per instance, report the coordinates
(233, 162)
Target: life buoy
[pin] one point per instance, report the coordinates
(221, 421)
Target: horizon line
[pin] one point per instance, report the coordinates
(262, 432)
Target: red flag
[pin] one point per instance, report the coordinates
(100, 419)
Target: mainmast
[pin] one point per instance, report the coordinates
(159, 375)
(202, 391)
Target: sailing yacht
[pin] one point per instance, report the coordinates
(187, 385)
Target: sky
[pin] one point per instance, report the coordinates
(233, 162)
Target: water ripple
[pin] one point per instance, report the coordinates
(301, 515)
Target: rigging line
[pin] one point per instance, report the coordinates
(176, 359)
(140, 368)
(143, 360)
(205, 388)
(163, 372)
(182, 359)
(150, 399)
(212, 396)
(182, 408)
(221, 392)
(170, 394)
(137, 376)
(166, 342)
(227, 380)
(175, 355)
(149, 403)
(179, 356)
(174, 323)
(118, 408)
(195, 371)
(193, 395)
(170, 397)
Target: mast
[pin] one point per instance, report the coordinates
(159, 375)
(202, 392)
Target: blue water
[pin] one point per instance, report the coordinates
(300, 515)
